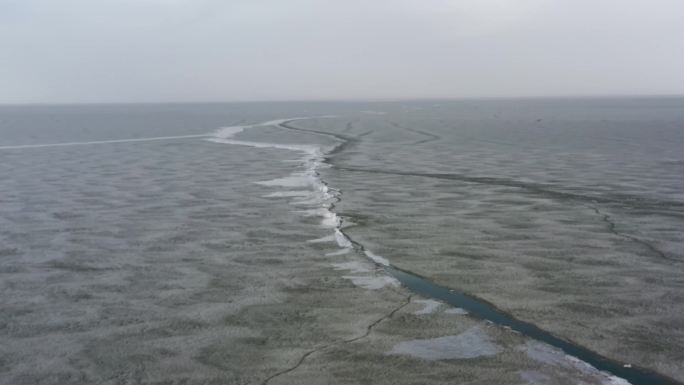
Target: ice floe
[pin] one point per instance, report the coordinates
(376, 258)
(372, 282)
(353, 266)
(429, 306)
(308, 191)
(456, 310)
(472, 343)
(549, 355)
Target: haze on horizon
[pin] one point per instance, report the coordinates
(72, 51)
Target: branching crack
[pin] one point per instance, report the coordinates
(490, 312)
(387, 316)
(430, 137)
(541, 189)
(345, 141)
(612, 227)
(365, 334)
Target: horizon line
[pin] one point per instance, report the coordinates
(353, 100)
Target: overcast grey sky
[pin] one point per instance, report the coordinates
(231, 50)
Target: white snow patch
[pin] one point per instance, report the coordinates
(549, 355)
(456, 310)
(327, 238)
(613, 380)
(319, 195)
(330, 219)
(338, 252)
(353, 266)
(472, 343)
(288, 194)
(376, 258)
(342, 240)
(532, 377)
(228, 132)
(308, 149)
(372, 282)
(289, 181)
(429, 306)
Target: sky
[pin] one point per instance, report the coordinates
(91, 51)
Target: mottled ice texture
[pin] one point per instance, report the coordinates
(134, 251)
(565, 214)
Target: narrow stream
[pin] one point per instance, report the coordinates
(481, 309)
(486, 311)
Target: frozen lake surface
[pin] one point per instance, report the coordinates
(249, 243)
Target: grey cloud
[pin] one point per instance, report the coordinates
(190, 50)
